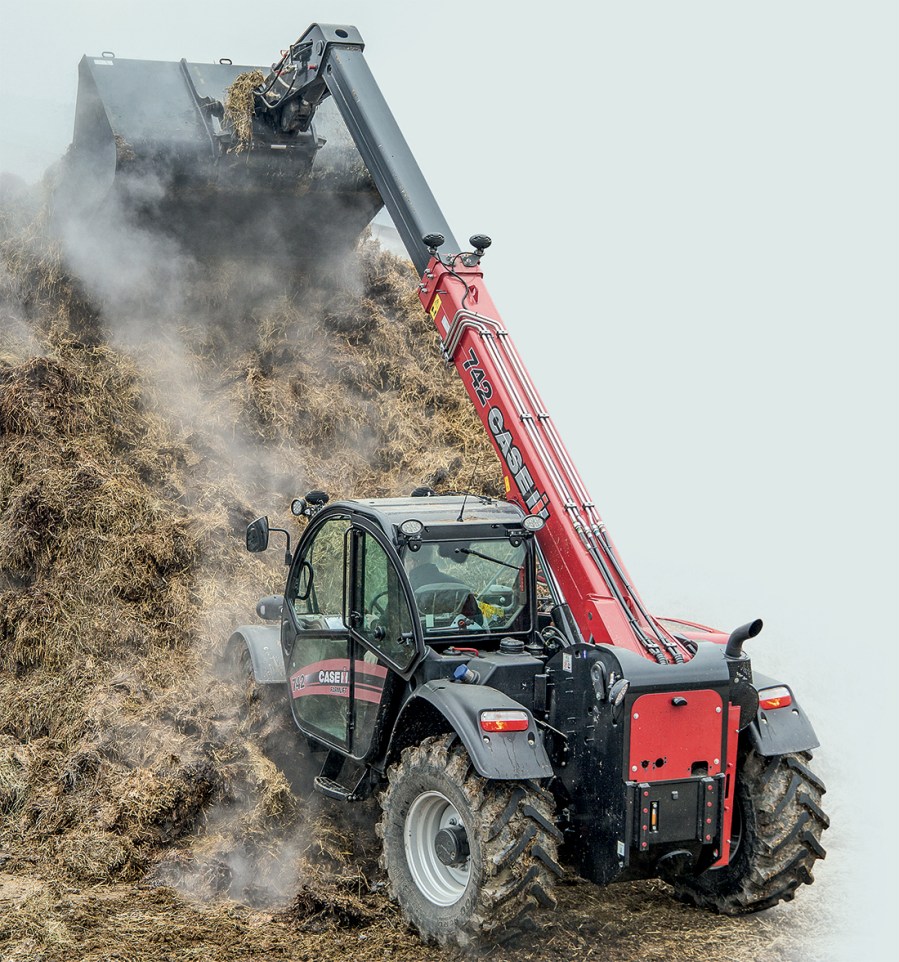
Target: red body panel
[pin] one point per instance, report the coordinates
(539, 474)
(667, 739)
(733, 736)
(695, 631)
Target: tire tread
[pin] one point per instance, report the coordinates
(782, 826)
(518, 841)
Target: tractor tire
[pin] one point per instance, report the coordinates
(256, 700)
(775, 838)
(504, 853)
(263, 716)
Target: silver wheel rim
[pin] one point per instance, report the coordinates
(439, 883)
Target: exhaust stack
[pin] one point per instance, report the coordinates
(738, 636)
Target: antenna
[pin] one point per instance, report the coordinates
(474, 470)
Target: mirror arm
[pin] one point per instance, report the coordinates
(287, 554)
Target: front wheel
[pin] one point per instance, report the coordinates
(464, 855)
(775, 837)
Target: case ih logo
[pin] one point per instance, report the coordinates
(511, 455)
(515, 463)
(333, 677)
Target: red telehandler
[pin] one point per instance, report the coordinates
(506, 733)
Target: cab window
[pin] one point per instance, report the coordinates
(315, 590)
(386, 621)
(470, 586)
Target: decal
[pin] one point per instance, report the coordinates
(566, 661)
(434, 311)
(515, 463)
(481, 386)
(332, 677)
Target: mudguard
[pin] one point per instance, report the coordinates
(782, 730)
(506, 755)
(264, 645)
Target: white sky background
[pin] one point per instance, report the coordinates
(694, 213)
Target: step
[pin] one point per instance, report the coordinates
(327, 786)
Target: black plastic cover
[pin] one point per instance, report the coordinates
(781, 730)
(507, 755)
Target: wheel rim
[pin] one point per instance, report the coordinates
(439, 883)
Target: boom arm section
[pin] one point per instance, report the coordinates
(328, 59)
(584, 569)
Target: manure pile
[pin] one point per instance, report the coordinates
(152, 807)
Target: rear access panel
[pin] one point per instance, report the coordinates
(677, 812)
(676, 735)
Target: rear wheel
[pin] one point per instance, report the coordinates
(265, 718)
(257, 701)
(775, 838)
(464, 855)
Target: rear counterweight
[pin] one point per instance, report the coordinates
(645, 781)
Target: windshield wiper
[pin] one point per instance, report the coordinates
(487, 557)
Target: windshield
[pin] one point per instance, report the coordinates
(470, 586)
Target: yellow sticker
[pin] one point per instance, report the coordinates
(490, 611)
(507, 483)
(435, 307)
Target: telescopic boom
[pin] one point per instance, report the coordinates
(582, 565)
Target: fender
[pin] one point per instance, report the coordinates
(264, 645)
(509, 755)
(782, 730)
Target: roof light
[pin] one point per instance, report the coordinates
(298, 506)
(504, 721)
(771, 698)
(411, 528)
(533, 522)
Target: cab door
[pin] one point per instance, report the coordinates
(315, 636)
(385, 635)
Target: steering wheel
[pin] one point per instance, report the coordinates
(377, 608)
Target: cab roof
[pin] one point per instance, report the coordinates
(441, 510)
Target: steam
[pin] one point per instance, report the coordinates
(206, 328)
(136, 274)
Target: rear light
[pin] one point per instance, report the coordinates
(771, 698)
(504, 721)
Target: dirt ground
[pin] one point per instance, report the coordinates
(52, 922)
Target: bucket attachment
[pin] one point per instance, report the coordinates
(153, 148)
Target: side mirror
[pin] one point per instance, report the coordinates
(257, 535)
(269, 607)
